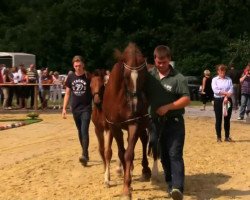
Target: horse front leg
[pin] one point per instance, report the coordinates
(108, 138)
(99, 134)
(129, 158)
(118, 135)
(146, 172)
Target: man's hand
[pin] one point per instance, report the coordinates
(64, 114)
(163, 110)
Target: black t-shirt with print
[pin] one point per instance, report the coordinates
(81, 97)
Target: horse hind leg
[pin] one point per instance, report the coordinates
(107, 176)
(155, 169)
(108, 138)
(153, 150)
(119, 168)
(146, 172)
(155, 172)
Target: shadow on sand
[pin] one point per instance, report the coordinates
(202, 187)
(206, 186)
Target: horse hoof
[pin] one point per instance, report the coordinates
(106, 185)
(125, 197)
(83, 161)
(146, 174)
(146, 177)
(154, 180)
(119, 171)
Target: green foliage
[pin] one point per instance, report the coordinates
(33, 115)
(201, 33)
(239, 51)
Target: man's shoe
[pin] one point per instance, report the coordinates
(169, 191)
(83, 161)
(176, 194)
(240, 118)
(228, 139)
(219, 140)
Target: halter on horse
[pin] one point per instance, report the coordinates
(125, 107)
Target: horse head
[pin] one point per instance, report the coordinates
(97, 87)
(134, 64)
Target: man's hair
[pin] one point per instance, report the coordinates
(78, 58)
(221, 67)
(162, 51)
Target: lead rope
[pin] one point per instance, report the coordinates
(129, 120)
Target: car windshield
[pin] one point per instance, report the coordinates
(193, 80)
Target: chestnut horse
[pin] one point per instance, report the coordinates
(102, 132)
(125, 107)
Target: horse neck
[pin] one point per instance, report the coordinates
(116, 78)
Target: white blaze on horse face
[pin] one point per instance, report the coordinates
(134, 76)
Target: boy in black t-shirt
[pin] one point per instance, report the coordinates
(78, 88)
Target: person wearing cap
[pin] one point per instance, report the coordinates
(206, 89)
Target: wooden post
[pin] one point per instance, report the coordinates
(36, 97)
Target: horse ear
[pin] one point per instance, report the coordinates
(88, 75)
(117, 54)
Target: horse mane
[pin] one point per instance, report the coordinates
(99, 72)
(122, 56)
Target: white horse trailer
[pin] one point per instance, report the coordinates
(15, 59)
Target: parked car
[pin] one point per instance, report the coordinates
(194, 85)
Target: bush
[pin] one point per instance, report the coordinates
(32, 115)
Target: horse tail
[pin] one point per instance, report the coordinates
(153, 145)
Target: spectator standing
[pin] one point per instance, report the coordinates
(51, 73)
(32, 78)
(7, 79)
(16, 80)
(46, 79)
(24, 92)
(3, 67)
(206, 89)
(245, 93)
(1, 81)
(168, 94)
(223, 89)
(40, 87)
(106, 77)
(78, 86)
(235, 75)
(57, 90)
(11, 89)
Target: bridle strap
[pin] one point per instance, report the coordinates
(135, 68)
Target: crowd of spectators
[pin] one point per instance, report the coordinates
(17, 88)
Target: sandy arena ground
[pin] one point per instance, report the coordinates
(40, 161)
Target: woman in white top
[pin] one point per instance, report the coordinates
(57, 90)
(223, 89)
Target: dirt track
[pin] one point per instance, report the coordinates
(40, 161)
